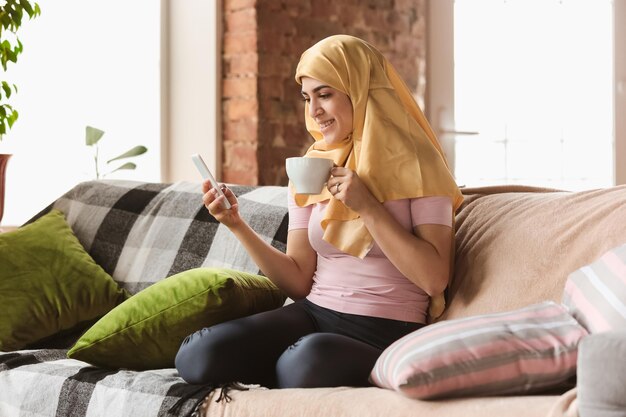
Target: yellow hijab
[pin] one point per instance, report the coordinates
(392, 149)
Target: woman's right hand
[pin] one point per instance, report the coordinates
(213, 203)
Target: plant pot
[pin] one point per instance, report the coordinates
(4, 159)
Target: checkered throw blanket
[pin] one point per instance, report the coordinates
(139, 233)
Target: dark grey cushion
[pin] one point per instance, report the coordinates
(601, 375)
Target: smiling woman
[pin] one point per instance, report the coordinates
(93, 76)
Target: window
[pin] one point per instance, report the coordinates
(533, 83)
(85, 62)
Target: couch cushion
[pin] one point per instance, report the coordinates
(49, 283)
(516, 246)
(523, 351)
(142, 232)
(596, 293)
(145, 331)
(601, 369)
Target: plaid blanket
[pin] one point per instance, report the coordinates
(139, 233)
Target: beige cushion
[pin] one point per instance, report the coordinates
(516, 246)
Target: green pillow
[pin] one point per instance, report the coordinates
(145, 331)
(49, 283)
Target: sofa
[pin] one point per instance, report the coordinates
(517, 248)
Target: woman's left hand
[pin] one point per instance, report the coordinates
(346, 186)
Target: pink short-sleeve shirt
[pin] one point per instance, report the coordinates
(371, 286)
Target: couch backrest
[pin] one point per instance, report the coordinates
(516, 246)
(141, 232)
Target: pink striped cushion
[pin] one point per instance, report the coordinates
(521, 351)
(596, 294)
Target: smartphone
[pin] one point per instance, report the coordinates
(206, 174)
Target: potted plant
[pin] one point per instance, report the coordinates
(11, 14)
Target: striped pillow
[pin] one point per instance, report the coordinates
(596, 294)
(521, 351)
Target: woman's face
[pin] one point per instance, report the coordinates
(331, 109)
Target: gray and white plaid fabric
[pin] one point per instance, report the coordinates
(139, 233)
(46, 383)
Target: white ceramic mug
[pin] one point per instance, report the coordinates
(308, 174)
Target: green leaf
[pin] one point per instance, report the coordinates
(5, 20)
(16, 17)
(136, 151)
(3, 112)
(7, 89)
(12, 118)
(11, 55)
(92, 135)
(127, 165)
(27, 6)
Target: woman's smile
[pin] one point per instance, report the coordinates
(325, 125)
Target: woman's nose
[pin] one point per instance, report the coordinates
(315, 109)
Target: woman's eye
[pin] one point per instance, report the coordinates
(305, 99)
(324, 96)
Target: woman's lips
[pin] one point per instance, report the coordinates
(325, 125)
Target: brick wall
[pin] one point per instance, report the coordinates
(263, 116)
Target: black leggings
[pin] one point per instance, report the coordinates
(300, 345)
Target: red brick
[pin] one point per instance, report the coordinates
(297, 8)
(235, 109)
(241, 64)
(230, 5)
(274, 64)
(239, 87)
(375, 18)
(400, 22)
(270, 41)
(240, 42)
(270, 5)
(275, 21)
(405, 5)
(241, 130)
(297, 135)
(271, 87)
(325, 8)
(242, 177)
(240, 155)
(241, 20)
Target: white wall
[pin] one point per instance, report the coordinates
(620, 90)
(190, 87)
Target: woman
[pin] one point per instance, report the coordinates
(363, 257)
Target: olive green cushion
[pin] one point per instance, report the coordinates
(145, 331)
(49, 283)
